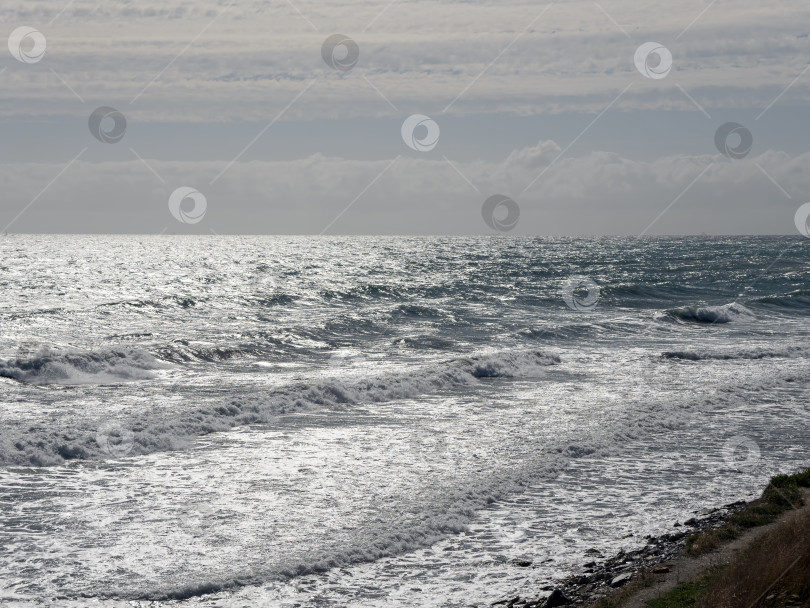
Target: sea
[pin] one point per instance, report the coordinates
(246, 421)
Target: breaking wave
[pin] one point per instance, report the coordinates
(452, 510)
(730, 355)
(794, 300)
(74, 366)
(44, 446)
(710, 314)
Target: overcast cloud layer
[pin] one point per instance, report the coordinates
(235, 101)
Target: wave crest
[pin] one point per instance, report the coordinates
(710, 314)
(152, 433)
(75, 366)
(730, 355)
(794, 300)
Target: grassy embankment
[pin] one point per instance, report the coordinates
(772, 572)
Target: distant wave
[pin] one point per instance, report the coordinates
(797, 299)
(166, 302)
(274, 298)
(267, 345)
(576, 331)
(728, 355)
(649, 291)
(51, 446)
(416, 311)
(181, 351)
(710, 314)
(74, 366)
(425, 342)
(507, 365)
(367, 291)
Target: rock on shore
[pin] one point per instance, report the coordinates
(599, 578)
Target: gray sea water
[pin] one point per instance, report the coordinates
(261, 421)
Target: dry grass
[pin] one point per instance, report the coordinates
(773, 572)
(782, 494)
(618, 598)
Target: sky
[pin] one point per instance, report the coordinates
(404, 117)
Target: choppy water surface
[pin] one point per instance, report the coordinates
(243, 421)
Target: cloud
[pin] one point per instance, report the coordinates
(598, 193)
(206, 63)
(200, 74)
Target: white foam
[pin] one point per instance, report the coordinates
(73, 366)
(48, 446)
(712, 314)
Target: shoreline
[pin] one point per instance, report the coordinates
(603, 578)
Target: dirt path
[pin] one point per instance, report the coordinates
(687, 569)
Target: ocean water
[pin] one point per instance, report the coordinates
(266, 421)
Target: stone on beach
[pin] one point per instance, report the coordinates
(556, 599)
(621, 579)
